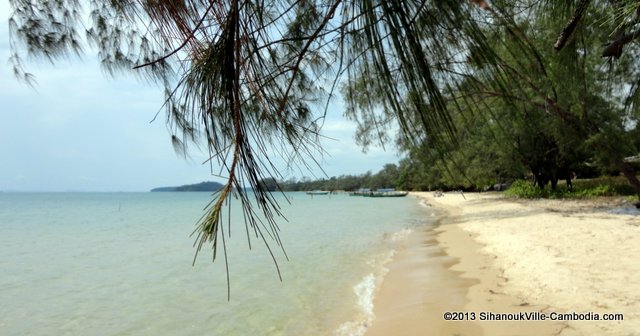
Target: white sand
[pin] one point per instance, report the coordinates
(548, 256)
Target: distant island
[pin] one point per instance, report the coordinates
(202, 186)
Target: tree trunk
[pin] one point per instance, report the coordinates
(630, 174)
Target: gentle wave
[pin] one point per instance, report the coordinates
(400, 235)
(368, 287)
(365, 292)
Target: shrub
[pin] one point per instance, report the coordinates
(581, 189)
(524, 189)
(597, 191)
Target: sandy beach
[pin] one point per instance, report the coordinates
(491, 254)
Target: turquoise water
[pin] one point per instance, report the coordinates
(120, 264)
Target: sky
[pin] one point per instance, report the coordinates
(80, 130)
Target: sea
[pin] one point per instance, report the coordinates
(122, 264)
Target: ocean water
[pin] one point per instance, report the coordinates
(121, 264)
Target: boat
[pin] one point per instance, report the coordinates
(385, 192)
(388, 194)
(317, 192)
(361, 192)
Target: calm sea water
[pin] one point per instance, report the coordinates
(120, 264)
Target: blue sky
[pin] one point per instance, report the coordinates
(80, 130)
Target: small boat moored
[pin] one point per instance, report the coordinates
(317, 192)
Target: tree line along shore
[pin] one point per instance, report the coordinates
(396, 176)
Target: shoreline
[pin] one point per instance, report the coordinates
(511, 256)
(418, 287)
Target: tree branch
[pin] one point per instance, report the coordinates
(184, 43)
(614, 49)
(304, 50)
(571, 25)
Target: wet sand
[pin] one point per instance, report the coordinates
(491, 254)
(418, 289)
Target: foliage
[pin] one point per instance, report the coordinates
(615, 185)
(525, 189)
(605, 186)
(269, 184)
(536, 111)
(388, 177)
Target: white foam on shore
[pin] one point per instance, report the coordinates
(368, 287)
(423, 203)
(365, 291)
(400, 235)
